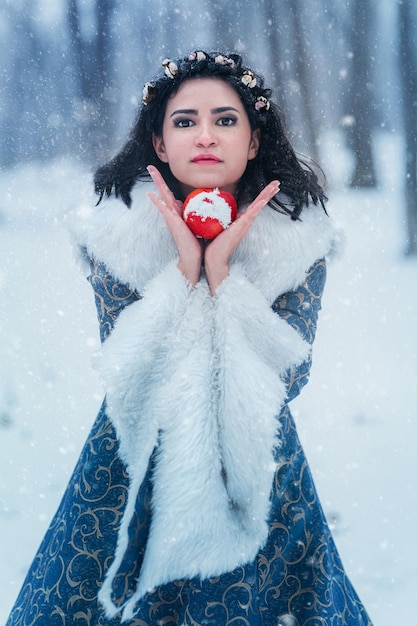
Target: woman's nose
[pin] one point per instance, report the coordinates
(206, 136)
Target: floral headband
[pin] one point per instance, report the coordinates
(247, 78)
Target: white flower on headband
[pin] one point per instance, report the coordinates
(224, 60)
(171, 69)
(262, 103)
(148, 93)
(248, 79)
(198, 55)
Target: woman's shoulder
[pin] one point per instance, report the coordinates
(123, 238)
(93, 206)
(278, 252)
(93, 219)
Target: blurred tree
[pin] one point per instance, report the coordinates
(72, 71)
(272, 33)
(30, 103)
(225, 18)
(360, 98)
(93, 78)
(289, 56)
(302, 75)
(407, 23)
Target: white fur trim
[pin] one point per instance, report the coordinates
(158, 369)
(194, 531)
(183, 375)
(255, 348)
(134, 358)
(133, 364)
(277, 252)
(134, 243)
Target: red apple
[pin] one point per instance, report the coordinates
(207, 212)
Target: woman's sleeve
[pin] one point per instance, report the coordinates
(111, 297)
(300, 309)
(265, 350)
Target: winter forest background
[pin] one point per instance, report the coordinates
(72, 70)
(345, 75)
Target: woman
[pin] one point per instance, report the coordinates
(192, 502)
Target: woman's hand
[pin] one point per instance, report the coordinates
(188, 246)
(219, 251)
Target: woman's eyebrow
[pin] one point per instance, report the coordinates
(184, 112)
(223, 109)
(215, 111)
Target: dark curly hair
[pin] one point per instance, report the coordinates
(276, 159)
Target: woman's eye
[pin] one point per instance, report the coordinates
(226, 121)
(183, 123)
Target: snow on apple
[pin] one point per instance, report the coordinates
(207, 212)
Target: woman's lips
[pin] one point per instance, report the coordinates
(206, 159)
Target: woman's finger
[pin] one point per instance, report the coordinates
(260, 201)
(164, 191)
(225, 243)
(244, 220)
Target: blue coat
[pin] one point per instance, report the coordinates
(292, 574)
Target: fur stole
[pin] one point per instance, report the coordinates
(198, 380)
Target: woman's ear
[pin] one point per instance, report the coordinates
(254, 144)
(159, 147)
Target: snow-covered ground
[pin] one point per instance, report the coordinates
(356, 417)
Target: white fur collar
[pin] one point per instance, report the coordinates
(135, 244)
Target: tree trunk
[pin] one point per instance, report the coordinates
(92, 61)
(302, 75)
(272, 33)
(77, 50)
(360, 96)
(408, 73)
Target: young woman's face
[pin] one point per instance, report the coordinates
(206, 136)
